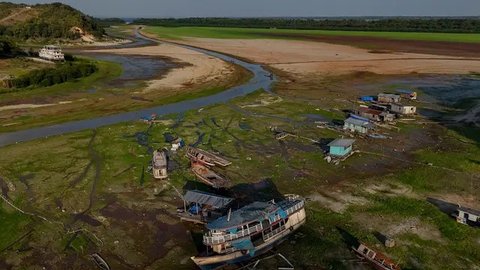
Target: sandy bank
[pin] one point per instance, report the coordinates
(303, 57)
(199, 68)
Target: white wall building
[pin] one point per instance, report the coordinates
(51, 52)
(403, 109)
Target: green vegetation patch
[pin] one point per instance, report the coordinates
(12, 224)
(257, 33)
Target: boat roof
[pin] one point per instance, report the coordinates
(200, 197)
(342, 142)
(358, 122)
(388, 95)
(469, 210)
(256, 211)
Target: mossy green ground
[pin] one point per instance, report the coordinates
(255, 33)
(128, 217)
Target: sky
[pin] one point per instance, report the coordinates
(269, 8)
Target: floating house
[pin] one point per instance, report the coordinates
(341, 147)
(202, 207)
(52, 53)
(250, 231)
(388, 98)
(367, 98)
(403, 109)
(407, 94)
(370, 114)
(357, 124)
(467, 216)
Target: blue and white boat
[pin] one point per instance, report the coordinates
(250, 231)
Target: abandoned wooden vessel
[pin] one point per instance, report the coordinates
(206, 158)
(159, 164)
(376, 259)
(208, 176)
(250, 231)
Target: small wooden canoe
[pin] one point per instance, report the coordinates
(209, 177)
(378, 260)
(207, 158)
(101, 263)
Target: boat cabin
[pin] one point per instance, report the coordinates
(468, 216)
(407, 94)
(388, 98)
(202, 207)
(159, 164)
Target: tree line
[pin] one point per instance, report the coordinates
(451, 25)
(64, 72)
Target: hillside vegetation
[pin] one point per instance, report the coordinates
(46, 21)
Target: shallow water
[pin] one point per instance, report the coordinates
(135, 67)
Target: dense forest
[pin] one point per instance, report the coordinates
(407, 24)
(47, 21)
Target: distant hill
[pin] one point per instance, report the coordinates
(46, 22)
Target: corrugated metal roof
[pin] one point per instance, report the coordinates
(195, 196)
(358, 122)
(342, 142)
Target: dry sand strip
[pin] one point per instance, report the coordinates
(304, 57)
(201, 69)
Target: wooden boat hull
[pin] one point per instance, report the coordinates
(206, 158)
(219, 261)
(209, 177)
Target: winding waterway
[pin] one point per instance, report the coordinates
(261, 80)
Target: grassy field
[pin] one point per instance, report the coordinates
(128, 217)
(254, 33)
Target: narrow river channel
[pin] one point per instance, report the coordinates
(261, 80)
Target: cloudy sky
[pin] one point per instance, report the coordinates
(269, 8)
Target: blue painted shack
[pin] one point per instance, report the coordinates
(341, 147)
(358, 124)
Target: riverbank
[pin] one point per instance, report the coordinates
(191, 76)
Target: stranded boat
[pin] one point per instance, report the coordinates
(250, 231)
(467, 216)
(208, 176)
(159, 164)
(206, 158)
(376, 259)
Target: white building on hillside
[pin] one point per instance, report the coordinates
(51, 52)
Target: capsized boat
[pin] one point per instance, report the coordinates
(159, 164)
(376, 259)
(250, 231)
(208, 176)
(206, 158)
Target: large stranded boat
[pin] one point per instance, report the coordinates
(250, 231)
